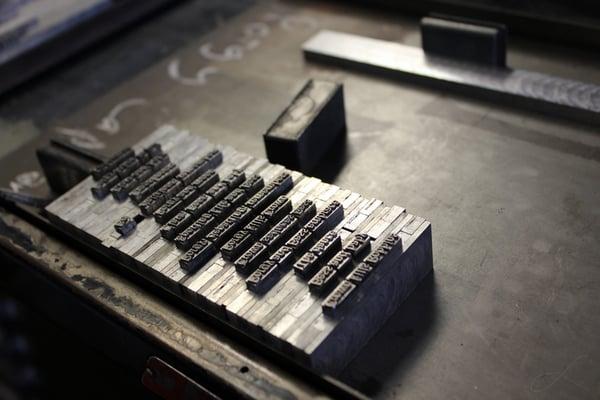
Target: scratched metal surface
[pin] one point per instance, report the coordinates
(511, 311)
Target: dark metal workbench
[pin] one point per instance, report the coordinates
(513, 197)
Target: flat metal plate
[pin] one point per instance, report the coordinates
(511, 310)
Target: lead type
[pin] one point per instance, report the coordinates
(334, 303)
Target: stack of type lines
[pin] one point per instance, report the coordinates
(305, 267)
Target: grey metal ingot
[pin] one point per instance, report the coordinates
(307, 128)
(280, 310)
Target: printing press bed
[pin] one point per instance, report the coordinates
(509, 310)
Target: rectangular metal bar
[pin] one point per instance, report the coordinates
(545, 93)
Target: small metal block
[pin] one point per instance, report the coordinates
(342, 261)
(307, 265)
(327, 246)
(236, 197)
(323, 279)
(332, 214)
(359, 245)
(252, 185)
(334, 303)
(101, 190)
(197, 256)
(239, 242)
(195, 231)
(108, 167)
(176, 224)
(388, 249)
(305, 211)
(126, 167)
(218, 191)
(284, 256)
(280, 232)
(359, 274)
(227, 228)
(125, 226)
(300, 240)
(257, 226)
(246, 263)
(152, 203)
(168, 210)
(205, 181)
(201, 205)
(234, 179)
(220, 209)
(264, 277)
(276, 210)
(187, 195)
(307, 128)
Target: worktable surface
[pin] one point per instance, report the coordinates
(511, 310)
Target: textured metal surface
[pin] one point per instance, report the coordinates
(511, 309)
(575, 99)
